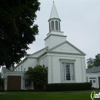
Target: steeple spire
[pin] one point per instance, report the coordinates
(54, 13)
(54, 20)
(55, 35)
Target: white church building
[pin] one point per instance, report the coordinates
(65, 62)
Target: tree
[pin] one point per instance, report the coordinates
(93, 62)
(17, 29)
(90, 63)
(97, 60)
(38, 75)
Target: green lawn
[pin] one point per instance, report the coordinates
(74, 95)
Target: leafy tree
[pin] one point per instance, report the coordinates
(97, 60)
(38, 75)
(17, 29)
(93, 62)
(90, 63)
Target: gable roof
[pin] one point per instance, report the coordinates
(39, 53)
(20, 62)
(34, 55)
(71, 47)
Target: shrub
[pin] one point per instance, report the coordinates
(68, 86)
(38, 75)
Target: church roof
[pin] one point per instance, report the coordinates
(39, 53)
(54, 13)
(93, 70)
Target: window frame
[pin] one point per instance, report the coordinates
(67, 61)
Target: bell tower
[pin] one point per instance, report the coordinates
(55, 35)
(54, 20)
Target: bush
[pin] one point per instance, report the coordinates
(68, 86)
(38, 75)
(29, 90)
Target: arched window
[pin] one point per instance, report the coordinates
(52, 25)
(57, 25)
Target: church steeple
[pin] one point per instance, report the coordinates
(55, 35)
(54, 13)
(54, 20)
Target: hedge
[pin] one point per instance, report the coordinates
(68, 86)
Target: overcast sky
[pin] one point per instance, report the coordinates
(80, 21)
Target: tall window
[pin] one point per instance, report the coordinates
(67, 71)
(59, 26)
(52, 25)
(49, 28)
(56, 25)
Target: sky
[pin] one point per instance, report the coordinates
(80, 21)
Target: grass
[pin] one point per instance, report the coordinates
(71, 95)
